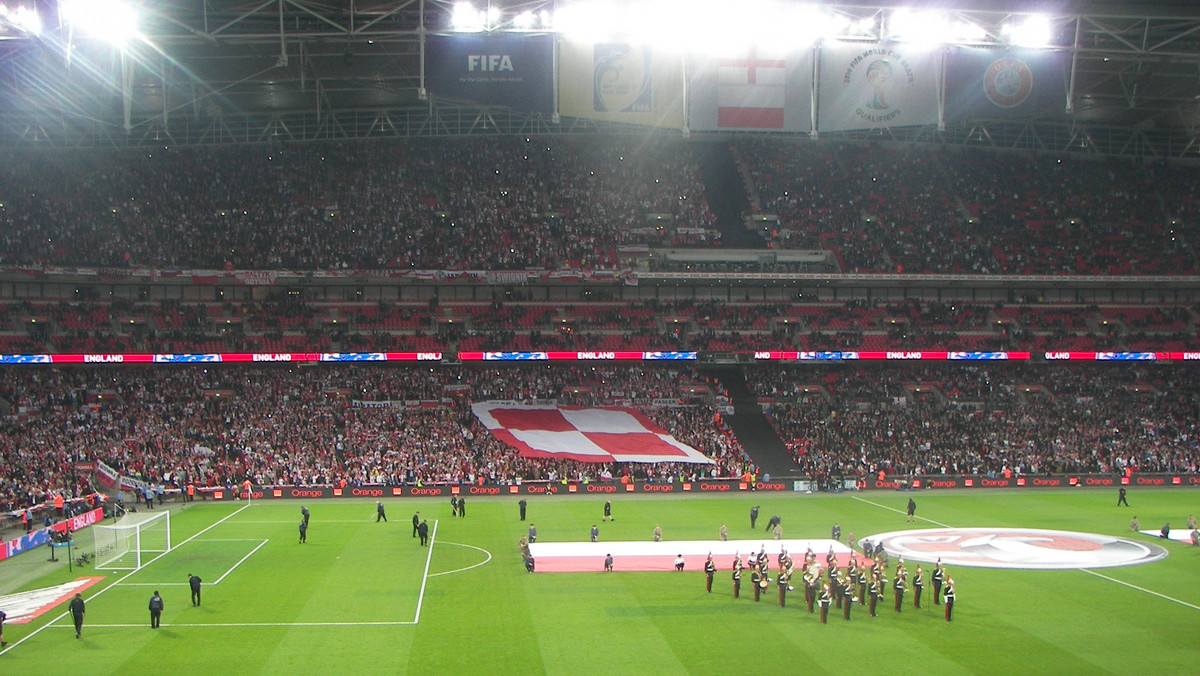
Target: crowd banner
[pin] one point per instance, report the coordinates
(495, 70)
(620, 82)
(41, 536)
(876, 86)
(757, 90)
(713, 486)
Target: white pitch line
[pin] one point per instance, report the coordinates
(1085, 570)
(462, 570)
(51, 623)
(237, 625)
(893, 509)
(1141, 589)
(425, 577)
(260, 546)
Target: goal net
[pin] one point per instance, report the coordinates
(132, 541)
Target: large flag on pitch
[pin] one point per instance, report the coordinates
(609, 434)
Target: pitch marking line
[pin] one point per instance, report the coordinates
(462, 570)
(236, 625)
(1085, 570)
(54, 621)
(425, 576)
(241, 561)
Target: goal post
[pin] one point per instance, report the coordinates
(133, 541)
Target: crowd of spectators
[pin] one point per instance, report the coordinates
(856, 421)
(568, 203)
(285, 425)
(289, 323)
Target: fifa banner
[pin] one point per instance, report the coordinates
(620, 82)
(876, 86)
(989, 84)
(517, 72)
(755, 90)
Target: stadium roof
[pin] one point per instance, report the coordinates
(227, 71)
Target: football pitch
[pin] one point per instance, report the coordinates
(362, 597)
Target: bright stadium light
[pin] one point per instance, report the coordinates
(22, 18)
(467, 19)
(1031, 31)
(114, 20)
(932, 28)
(525, 20)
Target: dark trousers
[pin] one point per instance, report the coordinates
(154, 616)
(195, 597)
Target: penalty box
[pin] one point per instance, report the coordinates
(639, 556)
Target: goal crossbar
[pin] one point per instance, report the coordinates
(132, 541)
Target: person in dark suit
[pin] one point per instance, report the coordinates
(379, 513)
(753, 516)
(775, 520)
(453, 505)
(304, 513)
(462, 508)
(303, 531)
(416, 522)
(78, 610)
(532, 533)
(1121, 497)
(156, 608)
(423, 532)
(522, 504)
(607, 511)
(194, 583)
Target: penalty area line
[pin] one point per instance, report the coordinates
(425, 575)
(239, 625)
(240, 562)
(463, 570)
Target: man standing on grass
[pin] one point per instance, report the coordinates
(912, 510)
(753, 516)
(78, 610)
(1121, 497)
(379, 513)
(710, 569)
(607, 511)
(939, 578)
(416, 522)
(303, 531)
(948, 594)
(462, 508)
(304, 513)
(522, 504)
(156, 608)
(194, 583)
(423, 532)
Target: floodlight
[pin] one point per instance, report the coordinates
(1031, 31)
(466, 18)
(22, 18)
(114, 20)
(525, 20)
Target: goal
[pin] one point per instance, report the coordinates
(133, 541)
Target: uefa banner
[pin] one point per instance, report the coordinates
(876, 86)
(620, 82)
(990, 84)
(517, 72)
(758, 90)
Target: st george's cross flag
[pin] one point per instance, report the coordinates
(608, 434)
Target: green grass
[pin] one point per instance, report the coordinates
(303, 609)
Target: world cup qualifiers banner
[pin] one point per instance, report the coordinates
(990, 84)
(876, 86)
(759, 89)
(517, 72)
(620, 82)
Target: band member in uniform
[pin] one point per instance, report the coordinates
(948, 593)
(755, 578)
(939, 576)
(825, 600)
(737, 581)
(898, 587)
(710, 569)
(863, 580)
(918, 585)
(810, 587)
(831, 559)
(835, 585)
(876, 589)
(783, 582)
(848, 600)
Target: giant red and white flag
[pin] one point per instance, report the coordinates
(609, 434)
(760, 89)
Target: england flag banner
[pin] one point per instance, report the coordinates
(758, 89)
(608, 434)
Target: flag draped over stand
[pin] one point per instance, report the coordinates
(608, 434)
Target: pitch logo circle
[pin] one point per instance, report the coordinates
(1017, 548)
